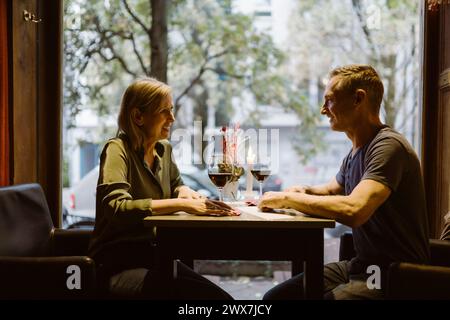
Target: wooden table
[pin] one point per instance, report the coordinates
(251, 236)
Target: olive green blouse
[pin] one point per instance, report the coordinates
(125, 189)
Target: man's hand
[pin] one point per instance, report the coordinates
(184, 192)
(272, 200)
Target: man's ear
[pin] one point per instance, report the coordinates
(360, 95)
(137, 117)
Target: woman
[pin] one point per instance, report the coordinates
(138, 178)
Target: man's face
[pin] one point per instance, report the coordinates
(338, 106)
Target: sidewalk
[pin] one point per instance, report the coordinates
(247, 288)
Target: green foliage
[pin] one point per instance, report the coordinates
(215, 56)
(377, 32)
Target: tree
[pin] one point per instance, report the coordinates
(214, 55)
(378, 32)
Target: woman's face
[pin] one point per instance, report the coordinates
(157, 126)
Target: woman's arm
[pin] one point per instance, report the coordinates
(192, 206)
(175, 177)
(113, 189)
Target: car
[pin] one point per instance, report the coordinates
(79, 201)
(200, 182)
(273, 183)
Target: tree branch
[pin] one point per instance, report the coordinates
(217, 55)
(188, 88)
(200, 73)
(411, 85)
(107, 41)
(135, 17)
(356, 5)
(138, 55)
(95, 90)
(406, 119)
(221, 71)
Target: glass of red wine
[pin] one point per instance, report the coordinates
(220, 172)
(261, 171)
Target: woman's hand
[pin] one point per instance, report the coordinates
(184, 192)
(206, 207)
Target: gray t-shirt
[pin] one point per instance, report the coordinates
(398, 230)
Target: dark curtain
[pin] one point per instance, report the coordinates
(4, 101)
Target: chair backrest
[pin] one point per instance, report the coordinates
(346, 247)
(71, 242)
(445, 235)
(415, 281)
(440, 252)
(25, 221)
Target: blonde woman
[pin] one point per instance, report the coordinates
(138, 178)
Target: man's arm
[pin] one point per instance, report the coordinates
(352, 210)
(330, 188)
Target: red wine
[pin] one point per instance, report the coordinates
(220, 179)
(261, 174)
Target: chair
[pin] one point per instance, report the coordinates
(38, 261)
(413, 281)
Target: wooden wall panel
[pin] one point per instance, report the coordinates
(37, 97)
(436, 115)
(444, 163)
(444, 117)
(24, 95)
(50, 103)
(445, 36)
(4, 96)
(430, 116)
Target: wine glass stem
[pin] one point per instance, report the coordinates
(220, 194)
(260, 190)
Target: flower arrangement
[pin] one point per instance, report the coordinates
(231, 141)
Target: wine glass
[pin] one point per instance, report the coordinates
(261, 171)
(220, 172)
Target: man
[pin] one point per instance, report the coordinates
(378, 191)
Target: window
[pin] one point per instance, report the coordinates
(254, 62)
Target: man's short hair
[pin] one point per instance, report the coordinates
(360, 76)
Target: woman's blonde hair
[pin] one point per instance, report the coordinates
(145, 94)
